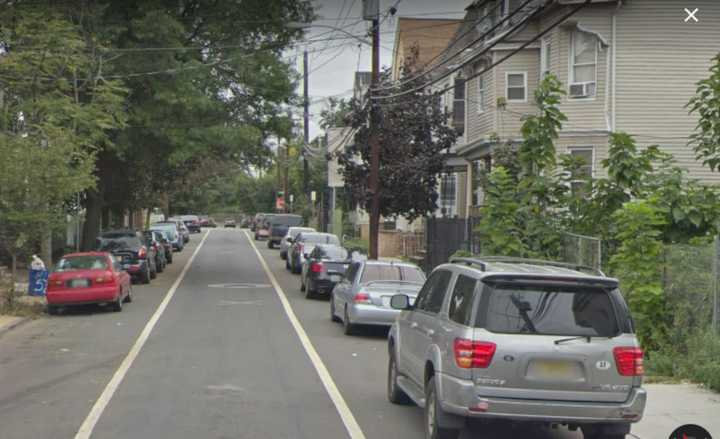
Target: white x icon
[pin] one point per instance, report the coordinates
(691, 15)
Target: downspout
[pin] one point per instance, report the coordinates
(614, 65)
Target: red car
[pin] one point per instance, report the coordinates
(92, 277)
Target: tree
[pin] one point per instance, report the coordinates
(706, 104)
(57, 111)
(414, 136)
(336, 114)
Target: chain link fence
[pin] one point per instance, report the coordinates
(581, 250)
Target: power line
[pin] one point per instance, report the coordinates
(556, 23)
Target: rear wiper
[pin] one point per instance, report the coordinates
(523, 307)
(586, 337)
(579, 337)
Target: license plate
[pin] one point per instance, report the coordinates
(386, 301)
(79, 283)
(554, 369)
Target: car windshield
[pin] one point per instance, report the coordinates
(378, 272)
(289, 220)
(335, 253)
(551, 310)
(320, 238)
(88, 262)
(116, 235)
(294, 231)
(123, 243)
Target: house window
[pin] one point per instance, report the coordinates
(583, 64)
(545, 51)
(584, 172)
(481, 94)
(448, 194)
(459, 105)
(516, 90)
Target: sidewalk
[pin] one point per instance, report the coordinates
(672, 405)
(9, 322)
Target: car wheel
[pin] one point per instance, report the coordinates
(348, 328)
(257, 238)
(310, 291)
(169, 259)
(296, 268)
(287, 264)
(333, 317)
(283, 256)
(433, 430)
(395, 394)
(302, 284)
(129, 297)
(605, 431)
(118, 304)
(53, 310)
(146, 275)
(271, 245)
(153, 273)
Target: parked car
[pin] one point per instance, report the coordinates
(279, 225)
(246, 222)
(166, 242)
(262, 231)
(137, 258)
(323, 269)
(192, 222)
(257, 221)
(91, 277)
(182, 228)
(518, 340)
(206, 221)
(363, 296)
(230, 223)
(303, 245)
(287, 240)
(174, 236)
(155, 239)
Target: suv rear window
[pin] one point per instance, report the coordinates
(373, 272)
(551, 310)
(287, 220)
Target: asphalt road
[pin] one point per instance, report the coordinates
(223, 361)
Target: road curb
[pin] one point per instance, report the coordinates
(12, 325)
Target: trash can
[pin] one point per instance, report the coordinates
(38, 282)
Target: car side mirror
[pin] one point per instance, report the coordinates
(289, 240)
(400, 301)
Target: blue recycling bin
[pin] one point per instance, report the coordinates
(38, 282)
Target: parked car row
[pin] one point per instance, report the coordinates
(119, 258)
(487, 338)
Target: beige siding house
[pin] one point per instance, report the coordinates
(627, 66)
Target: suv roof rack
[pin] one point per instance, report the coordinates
(484, 261)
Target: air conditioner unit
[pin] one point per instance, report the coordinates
(582, 89)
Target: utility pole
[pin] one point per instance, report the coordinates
(306, 124)
(374, 142)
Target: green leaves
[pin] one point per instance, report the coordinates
(706, 104)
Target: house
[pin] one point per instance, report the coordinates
(626, 66)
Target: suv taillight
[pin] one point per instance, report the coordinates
(142, 253)
(316, 267)
(471, 354)
(629, 361)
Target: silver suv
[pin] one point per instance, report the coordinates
(519, 340)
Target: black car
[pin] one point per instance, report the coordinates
(137, 259)
(279, 225)
(323, 268)
(166, 241)
(155, 239)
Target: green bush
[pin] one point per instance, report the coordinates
(698, 360)
(357, 244)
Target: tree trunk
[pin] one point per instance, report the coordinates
(46, 248)
(13, 278)
(147, 219)
(91, 228)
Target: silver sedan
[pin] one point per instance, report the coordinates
(291, 234)
(363, 295)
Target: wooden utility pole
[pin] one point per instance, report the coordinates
(374, 143)
(306, 124)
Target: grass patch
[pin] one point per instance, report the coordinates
(21, 305)
(697, 360)
(356, 244)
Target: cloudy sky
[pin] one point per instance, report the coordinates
(334, 57)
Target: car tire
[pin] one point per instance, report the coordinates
(169, 258)
(257, 238)
(432, 415)
(333, 317)
(348, 328)
(153, 273)
(302, 284)
(287, 264)
(283, 256)
(129, 297)
(53, 310)
(271, 245)
(159, 266)
(605, 431)
(117, 305)
(296, 269)
(394, 393)
(146, 276)
(310, 292)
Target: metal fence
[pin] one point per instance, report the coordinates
(690, 284)
(580, 249)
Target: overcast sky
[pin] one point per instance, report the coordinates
(334, 61)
